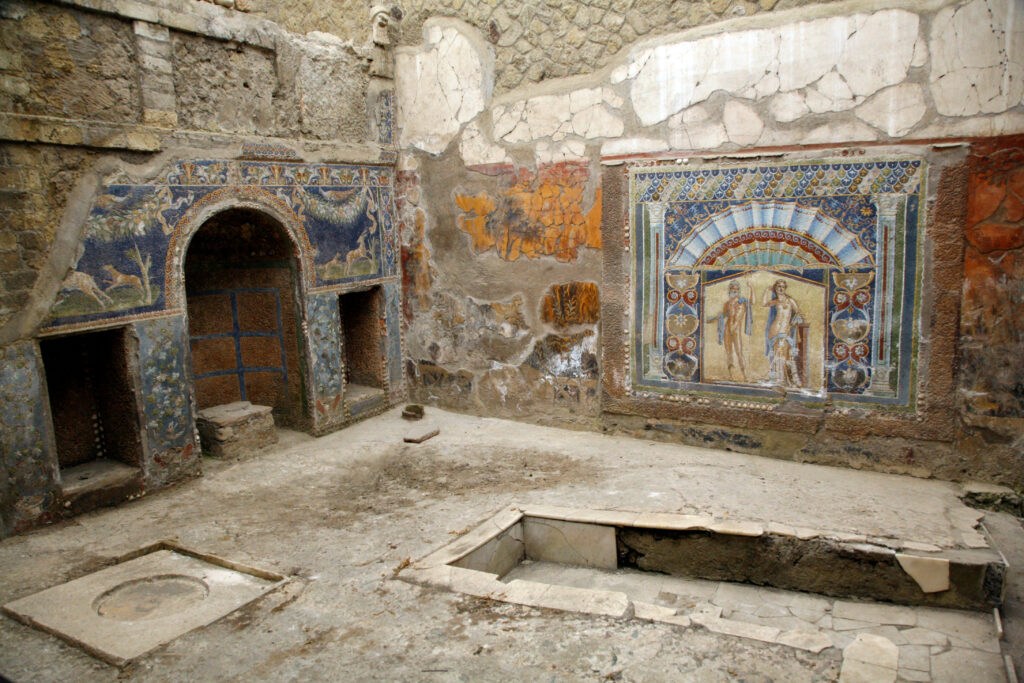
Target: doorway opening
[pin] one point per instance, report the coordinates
(93, 404)
(240, 288)
(362, 344)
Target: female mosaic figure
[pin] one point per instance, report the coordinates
(779, 335)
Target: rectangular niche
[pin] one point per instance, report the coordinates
(362, 343)
(701, 547)
(801, 277)
(92, 399)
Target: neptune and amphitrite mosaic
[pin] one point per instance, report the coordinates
(800, 278)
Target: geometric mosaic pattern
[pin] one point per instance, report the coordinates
(801, 277)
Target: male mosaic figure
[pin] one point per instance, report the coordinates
(779, 338)
(736, 312)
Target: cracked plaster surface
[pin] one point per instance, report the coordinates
(895, 110)
(477, 150)
(848, 78)
(442, 86)
(977, 58)
(586, 113)
(864, 53)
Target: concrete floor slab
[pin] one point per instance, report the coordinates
(341, 513)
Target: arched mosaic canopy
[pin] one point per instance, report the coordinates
(769, 234)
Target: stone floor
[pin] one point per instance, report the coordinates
(343, 512)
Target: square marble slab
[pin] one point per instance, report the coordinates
(122, 612)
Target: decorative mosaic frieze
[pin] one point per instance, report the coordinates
(136, 235)
(799, 278)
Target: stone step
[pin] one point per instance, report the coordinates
(235, 430)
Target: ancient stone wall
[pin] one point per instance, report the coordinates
(837, 115)
(532, 41)
(124, 126)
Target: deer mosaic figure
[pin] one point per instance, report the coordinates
(119, 279)
(359, 252)
(83, 282)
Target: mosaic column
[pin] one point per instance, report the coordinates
(885, 253)
(655, 314)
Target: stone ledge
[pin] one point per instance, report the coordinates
(51, 130)
(193, 17)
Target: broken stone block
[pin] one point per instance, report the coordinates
(413, 411)
(234, 430)
(421, 433)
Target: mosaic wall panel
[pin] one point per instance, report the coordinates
(324, 320)
(129, 260)
(801, 277)
(393, 305)
(29, 470)
(167, 407)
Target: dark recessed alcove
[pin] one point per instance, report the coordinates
(362, 342)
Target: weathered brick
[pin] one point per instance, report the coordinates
(155, 48)
(157, 64)
(154, 32)
(21, 279)
(158, 101)
(31, 240)
(9, 260)
(10, 61)
(14, 85)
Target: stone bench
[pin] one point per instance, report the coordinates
(234, 430)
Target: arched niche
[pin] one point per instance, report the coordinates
(242, 275)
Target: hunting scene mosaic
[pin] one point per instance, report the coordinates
(136, 234)
(798, 279)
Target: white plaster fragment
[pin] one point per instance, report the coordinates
(477, 150)
(840, 132)
(678, 75)
(930, 573)
(767, 86)
(977, 58)
(651, 612)
(611, 98)
(880, 613)
(694, 115)
(553, 153)
(506, 119)
(584, 99)
(633, 146)
(742, 124)
(597, 122)
(879, 53)
(810, 49)
(833, 87)
(855, 671)
(543, 117)
(812, 641)
(700, 133)
(895, 110)
(869, 658)
(441, 85)
(740, 629)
